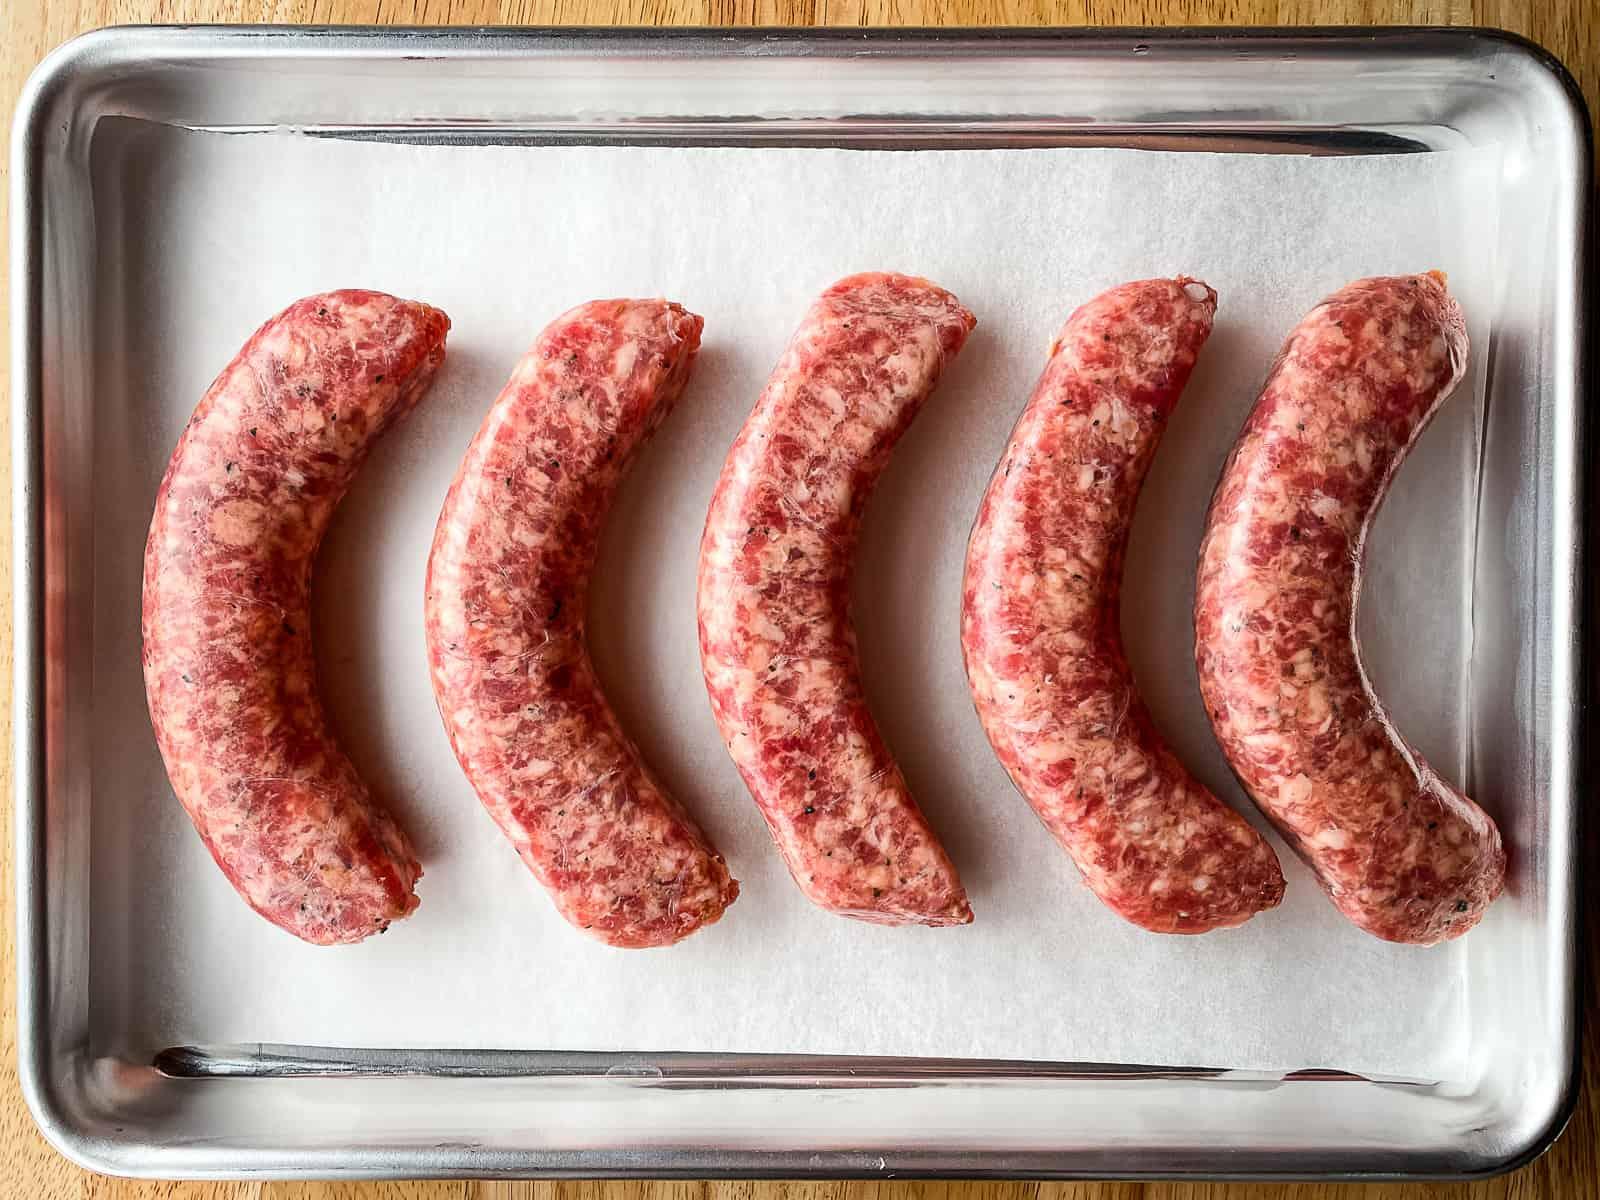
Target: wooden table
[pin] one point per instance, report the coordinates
(30, 1170)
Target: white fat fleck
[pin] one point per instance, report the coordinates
(905, 369)
(773, 716)
(238, 522)
(509, 645)
(1047, 750)
(622, 363)
(764, 628)
(504, 726)
(1294, 791)
(1332, 838)
(1363, 449)
(1257, 592)
(1325, 507)
(1315, 710)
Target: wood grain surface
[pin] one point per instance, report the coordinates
(30, 1170)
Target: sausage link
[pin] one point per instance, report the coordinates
(1041, 627)
(508, 582)
(776, 643)
(1401, 853)
(230, 676)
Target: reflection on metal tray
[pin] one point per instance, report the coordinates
(672, 1068)
(300, 1111)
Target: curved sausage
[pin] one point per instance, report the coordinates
(1402, 853)
(508, 582)
(776, 643)
(1041, 625)
(228, 666)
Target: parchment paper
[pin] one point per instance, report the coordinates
(211, 234)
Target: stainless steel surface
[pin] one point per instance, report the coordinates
(236, 1111)
(259, 1060)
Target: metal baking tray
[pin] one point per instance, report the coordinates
(292, 1111)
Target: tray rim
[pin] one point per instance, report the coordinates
(92, 51)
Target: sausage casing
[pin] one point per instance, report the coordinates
(776, 643)
(508, 582)
(229, 671)
(1403, 854)
(1041, 623)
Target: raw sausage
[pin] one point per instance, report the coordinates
(1401, 852)
(776, 643)
(508, 581)
(1041, 627)
(229, 672)
(507, 587)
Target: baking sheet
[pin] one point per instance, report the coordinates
(209, 234)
